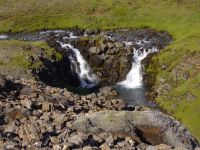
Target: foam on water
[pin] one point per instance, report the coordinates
(3, 37)
(134, 78)
(87, 77)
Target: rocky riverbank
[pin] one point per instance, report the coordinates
(109, 54)
(36, 116)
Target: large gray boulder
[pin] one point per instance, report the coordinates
(147, 126)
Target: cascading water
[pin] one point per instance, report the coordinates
(3, 37)
(135, 77)
(87, 78)
(132, 88)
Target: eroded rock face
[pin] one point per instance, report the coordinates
(110, 60)
(150, 126)
(108, 53)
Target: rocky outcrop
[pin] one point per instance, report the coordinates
(111, 57)
(41, 116)
(110, 60)
(150, 126)
(106, 52)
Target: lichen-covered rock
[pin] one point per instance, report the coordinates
(155, 127)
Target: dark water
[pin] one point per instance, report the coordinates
(134, 97)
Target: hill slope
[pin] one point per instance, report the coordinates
(177, 84)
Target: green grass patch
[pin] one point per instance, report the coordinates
(181, 18)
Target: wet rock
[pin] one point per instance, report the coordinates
(94, 50)
(119, 44)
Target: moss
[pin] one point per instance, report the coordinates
(17, 54)
(180, 58)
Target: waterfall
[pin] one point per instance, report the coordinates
(3, 37)
(134, 78)
(87, 78)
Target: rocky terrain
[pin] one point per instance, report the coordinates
(36, 116)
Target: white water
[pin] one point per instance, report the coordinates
(3, 37)
(134, 78)
(87, 78)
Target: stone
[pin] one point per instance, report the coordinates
(130, 141)
(164, 66)
(109, 140)
(26, 103)
(110, 45)
(98, 139)
(46, 106)
(119, 44)
(14, 114)
(55, 140)
(163, 147)
(57, 147)
(11, 127)
(156, 124)
(30, 133)
(26, 91)
(96, 61)
(180, 147)
(77, 139)
(33, 95)
(121, 144)
(65, 147)
(94, 50)
(149, 147)
(105, 147)
(87, 148)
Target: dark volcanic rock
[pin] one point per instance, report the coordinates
(44, 117)
(104, 57)
(110, 57)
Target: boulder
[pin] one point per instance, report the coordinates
(94, 50)
(151, 126)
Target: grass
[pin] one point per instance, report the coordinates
(181, 57)
(14, 56)
(181, 18)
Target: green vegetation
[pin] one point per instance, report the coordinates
(179, 91)
(15, 56)
(181, 18)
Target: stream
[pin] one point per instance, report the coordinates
(132, 88)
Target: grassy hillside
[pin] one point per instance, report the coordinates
(178, 85)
